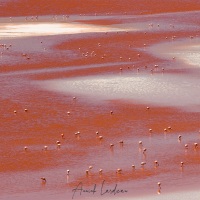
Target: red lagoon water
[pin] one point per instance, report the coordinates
(121, 93)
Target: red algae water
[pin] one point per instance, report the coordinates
(99, 101)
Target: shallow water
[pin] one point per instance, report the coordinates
(186, 50)
(50, 99)
(159, 89)
(160, 147)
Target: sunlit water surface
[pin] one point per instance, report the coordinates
(159, 89)
(39, 29)
(186, 50)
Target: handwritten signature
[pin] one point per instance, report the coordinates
(79, 189)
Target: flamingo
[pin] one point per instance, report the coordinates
(195, 145)
(143, 164)
(43, 179)
(119, 170)
(133, 166)
(45, 148)
(156, 163)
(159, 187)
(144, 150)
(182, 163)
(121, 142)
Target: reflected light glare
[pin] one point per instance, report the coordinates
(156, 89)
(20, 30)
